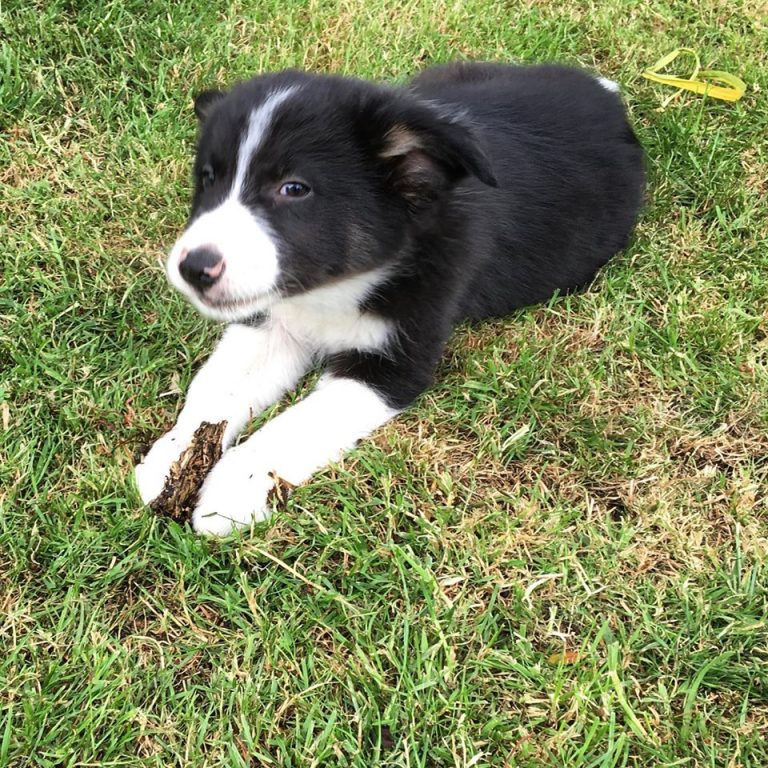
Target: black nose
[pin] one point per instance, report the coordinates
(202, 267)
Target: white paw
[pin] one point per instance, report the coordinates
(235, 494)
(151, 474)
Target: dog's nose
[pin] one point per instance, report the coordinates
(202, 267)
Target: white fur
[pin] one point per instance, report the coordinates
(250, 369)
(609, 85)
(292, 447)
(250, 256)
(329, 318)
(249, 249)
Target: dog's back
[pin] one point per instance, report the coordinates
(570, 178)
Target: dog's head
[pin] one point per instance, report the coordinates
(301, 180)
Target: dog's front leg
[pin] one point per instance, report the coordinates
(292, 446)
(249, 370)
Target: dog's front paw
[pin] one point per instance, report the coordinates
(235, 494)
(153, 471)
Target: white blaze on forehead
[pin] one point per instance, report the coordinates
(258, 124)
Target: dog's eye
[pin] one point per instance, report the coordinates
(294, 189)
(207, 176)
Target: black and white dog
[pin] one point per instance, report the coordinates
(353, 224)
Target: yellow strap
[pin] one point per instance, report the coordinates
(703, 81)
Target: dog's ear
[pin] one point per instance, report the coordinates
(204, 101)
(426, 150)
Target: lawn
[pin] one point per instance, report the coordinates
(558, 557)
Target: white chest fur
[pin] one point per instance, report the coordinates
(329, 319)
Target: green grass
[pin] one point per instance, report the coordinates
(557, 558)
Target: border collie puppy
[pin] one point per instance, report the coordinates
(350, 224)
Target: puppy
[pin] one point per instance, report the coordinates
(341, 223)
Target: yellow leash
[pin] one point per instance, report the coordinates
(708, 82)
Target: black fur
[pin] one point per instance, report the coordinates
(485, 187)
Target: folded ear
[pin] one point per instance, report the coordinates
(204, 101)
(427, 150)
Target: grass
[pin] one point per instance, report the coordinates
(557, 558)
